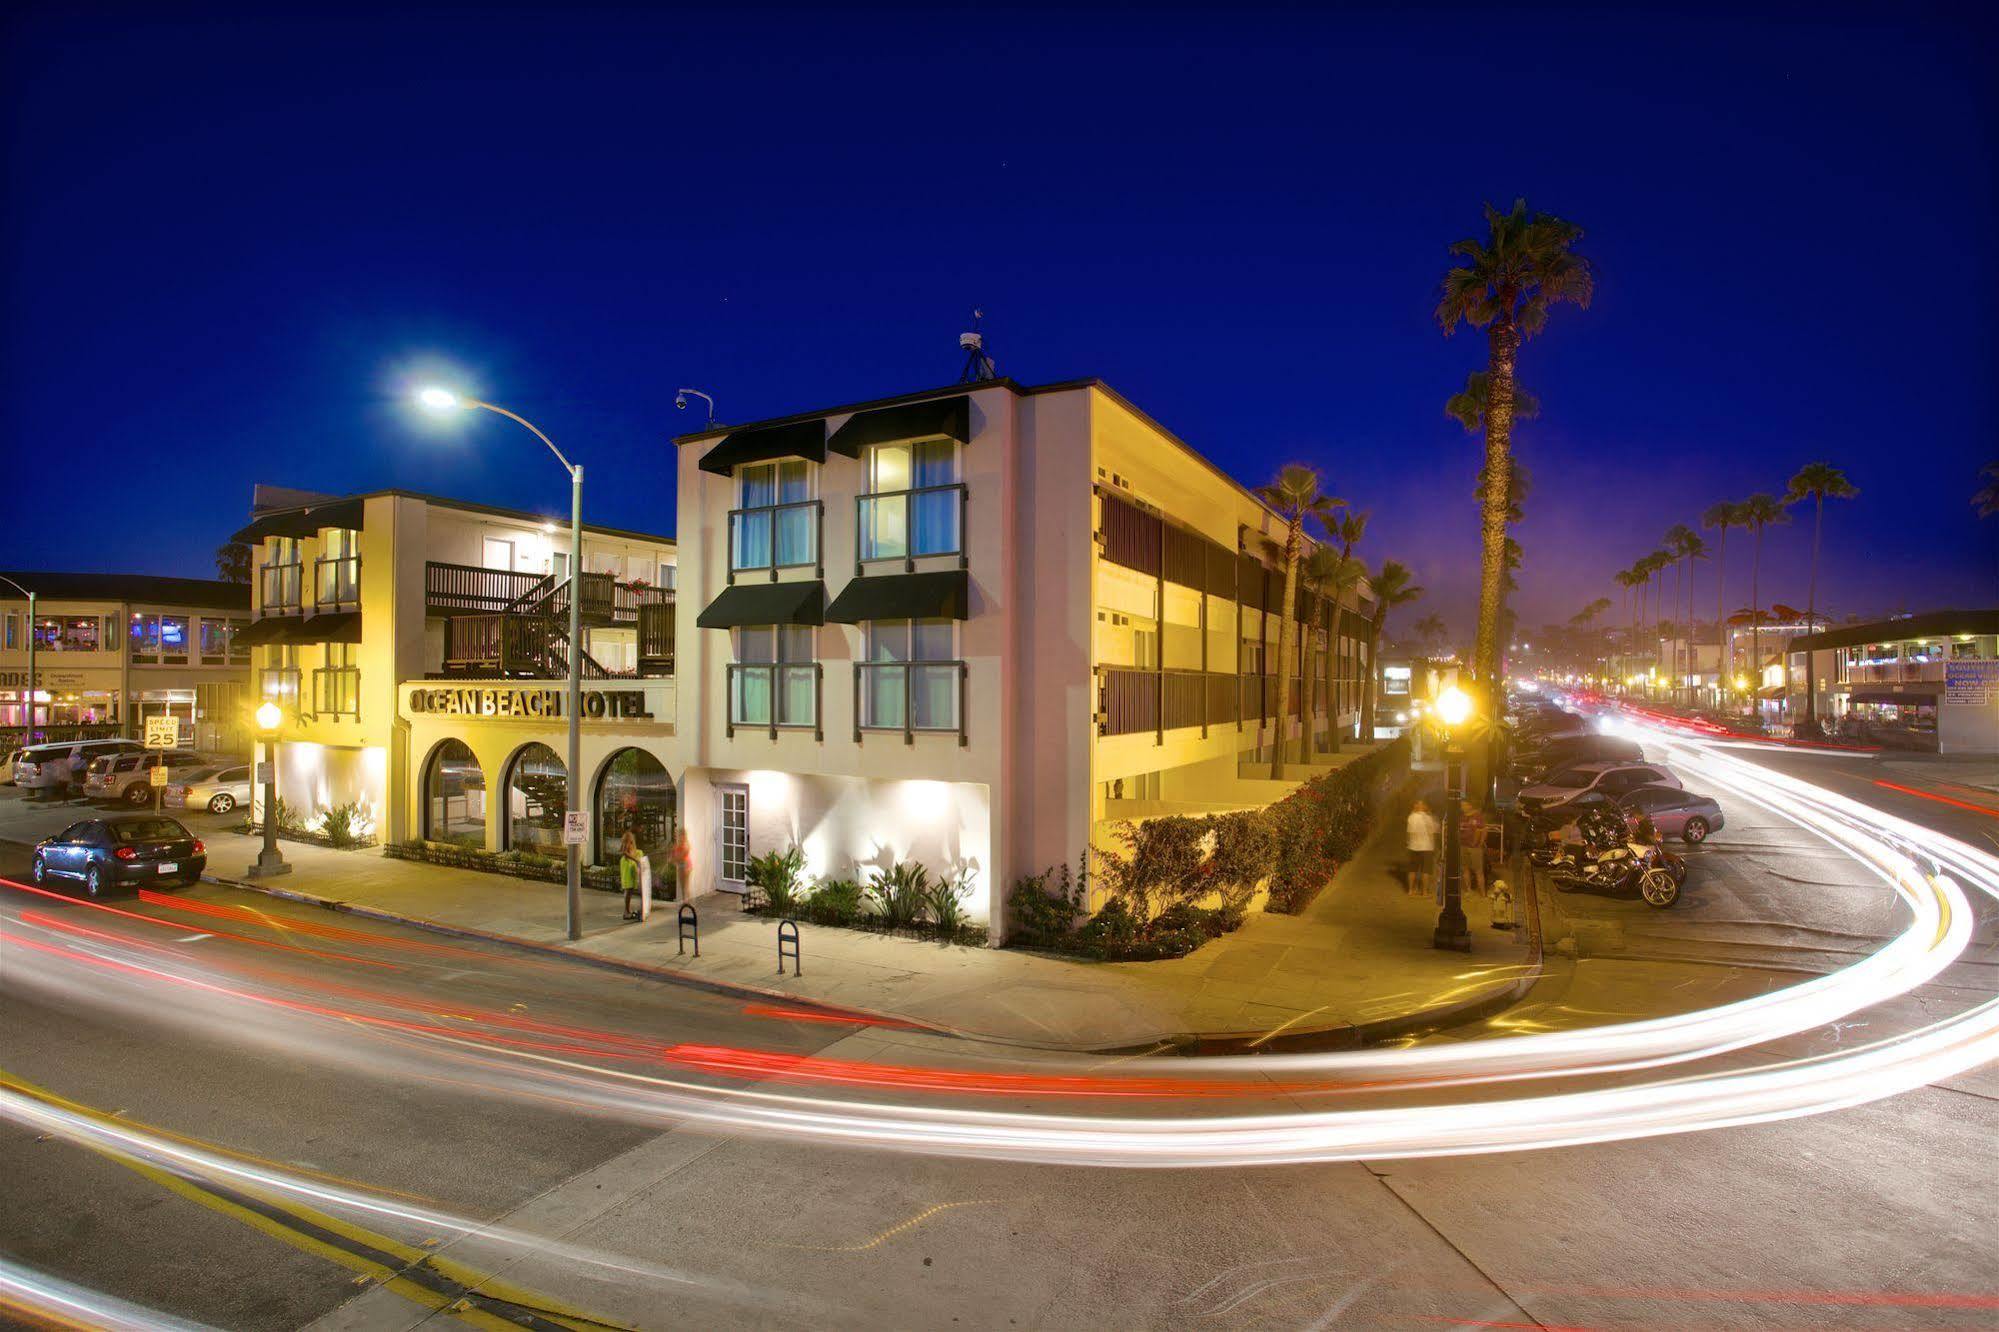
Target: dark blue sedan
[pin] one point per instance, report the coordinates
(121, 849)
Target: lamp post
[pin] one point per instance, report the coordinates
(270, 860)
(1453, 709)
(28, 732)
(440, 399)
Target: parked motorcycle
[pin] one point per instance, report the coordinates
(1609, 859)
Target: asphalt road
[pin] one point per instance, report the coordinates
(1878, 1216)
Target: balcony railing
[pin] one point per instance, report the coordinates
(282, 585)
(910, 697)
(451, 588)
(909, 525)
(655, 629)
(336, 582)
(777, 536)
(775, 695)
(1137, 699)
(336, 691)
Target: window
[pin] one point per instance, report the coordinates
(636, 795)
(912, 506)
(10, 631)
(454, 796)
(775, 525)
(669, 575)
(174, 639)
(774, 681)
(337, 572)
(145, 637)
(336, 685)
(282, 583)
(537, 797)
(72, 633)
(279, 681)
(910, 680)
(735, 834)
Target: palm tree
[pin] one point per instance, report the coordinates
(1506, 285)
(1986, 500)
(1759, 511)
(1467, 405)
(1432, 630)
(1346, 530)
(1721, 516)
(1330, 573)
(1676, 536)
(1296, 497)
(1392, 588)
(1692, 551)
(1817, 482)
(1629, 579)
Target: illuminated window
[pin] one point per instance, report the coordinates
(537, 798)
(911, 507)
(774, 681)
(911, 676)
(454, 796)
(635, 795)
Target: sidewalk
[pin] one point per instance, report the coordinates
(1356, 966)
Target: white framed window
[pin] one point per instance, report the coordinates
(912, 677)
(775, 524)
(775, 679)
(734, 832)
(912, 507)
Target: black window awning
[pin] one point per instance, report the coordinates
(766, 603)
(949, 417)
(305, 522)
(333, 627)
(261, 633)
(800, 439)
(943, 595)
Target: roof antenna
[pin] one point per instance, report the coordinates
(978, 365)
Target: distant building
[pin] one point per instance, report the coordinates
(1922, 682)
(114, 649)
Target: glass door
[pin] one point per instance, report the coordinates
(735, 858)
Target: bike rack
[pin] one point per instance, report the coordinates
(690, 928)
(782, 926)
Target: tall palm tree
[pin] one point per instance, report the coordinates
(1692, 551)
(1721, 516)
(1297, 498)
(1346, 531)
(1986, 499)
(1330, 573)
(1629, 579)
(1759, 511)
(1432, 630)
(1676, 537)
(1392, 588)
(1467, 406)
(1817, 482)
(1506, 284)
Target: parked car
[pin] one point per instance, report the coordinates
(217, 790)
(1570, 750)
(1611, 779)
(128, 777)
(7, 772)
(120, 848)
(57, 767)
(1675, 812)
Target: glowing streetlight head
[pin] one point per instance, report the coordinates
(1453, 706)
(1742, 682)
(268, 716)
(437, 399)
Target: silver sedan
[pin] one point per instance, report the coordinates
(1687, 815)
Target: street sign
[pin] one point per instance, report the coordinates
(158, 775)
(574, 826)
(162, 732)
(264, 773)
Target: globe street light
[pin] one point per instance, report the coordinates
(270, 860)
(442, 399)
(1453, 709)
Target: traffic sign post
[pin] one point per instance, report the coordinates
(574, 827)
(162, 733)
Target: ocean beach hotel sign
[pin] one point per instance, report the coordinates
(529, 703)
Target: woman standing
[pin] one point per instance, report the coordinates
(1471, 850)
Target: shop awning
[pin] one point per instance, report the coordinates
(262, 633)
(305, 522)
(945, 595)
(800, 439)
(336, 627)
(766, 603)
(949, 417)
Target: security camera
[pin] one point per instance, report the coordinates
(680, 401)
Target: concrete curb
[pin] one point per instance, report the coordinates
(641, 970)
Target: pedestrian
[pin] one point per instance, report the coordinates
(1422, 842)
(628, 875)
(1471, 850)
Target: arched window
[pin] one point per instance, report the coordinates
(635, 794)
(454, 796)
(537, 796)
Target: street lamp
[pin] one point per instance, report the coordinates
(443, 399)
(28, 733)
(1454, 708)
(270, 860)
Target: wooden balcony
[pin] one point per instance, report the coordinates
(1133, 699)
(464, 589)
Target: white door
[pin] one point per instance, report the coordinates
(735, 831)
(499, 553)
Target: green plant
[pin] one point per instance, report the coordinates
(780, 875)
(945, 900)
(338, 825)
(1244, 855)
(899, 895)
(834, 902)
(288, 817)
(1045, 906)
(1160, 858)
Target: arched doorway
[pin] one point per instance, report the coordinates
(454, 796)
(537, 796)
(635, 794)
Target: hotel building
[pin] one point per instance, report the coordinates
(1927, 683)
(114, 649)
(964, 627)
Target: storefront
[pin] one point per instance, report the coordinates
(1926, 683)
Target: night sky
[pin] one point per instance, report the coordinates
(233, 240)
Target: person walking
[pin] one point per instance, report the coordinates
(1422, 843)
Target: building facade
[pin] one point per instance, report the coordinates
(1928, 683)
(114, 649)
(967, 627)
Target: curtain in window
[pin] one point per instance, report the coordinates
(933, 527)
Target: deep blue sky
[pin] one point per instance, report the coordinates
(231, 238)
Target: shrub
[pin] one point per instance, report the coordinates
(1245, 854)
(1112, 926)
(778, 875)
(338, 825)
(945, 900)
(288, 817)
(899, 895)
(833, 902)
(1045, 906)
(1325, 822)
(1161, 861)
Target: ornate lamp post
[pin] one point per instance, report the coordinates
(270, 861)
(1454, 708)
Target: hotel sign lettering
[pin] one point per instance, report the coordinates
(530, 704)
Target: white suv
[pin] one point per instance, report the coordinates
(57, 767)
